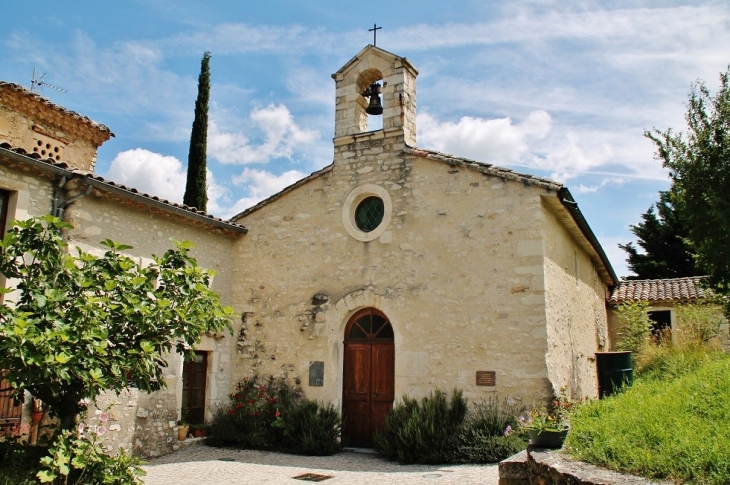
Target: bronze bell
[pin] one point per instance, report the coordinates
(375, 107)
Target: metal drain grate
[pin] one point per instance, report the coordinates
(312, 477)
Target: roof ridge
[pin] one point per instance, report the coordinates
(45, 101)
(134, 192)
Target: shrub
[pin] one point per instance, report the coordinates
(253, 416)
(664, 428)
(312, 429)
(269, 414)
(491, 433)
(78, 459)
(635, 325)
(423, 433)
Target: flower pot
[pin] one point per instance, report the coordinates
(182, 432)
(547, 438)
(37, 416)
(200, 432)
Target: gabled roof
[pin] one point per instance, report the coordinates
(372, 50)
(660, 290)
(36, 106)
(132, 197)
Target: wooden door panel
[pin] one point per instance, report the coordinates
(357, 423)
(383, 370)
(357, 371)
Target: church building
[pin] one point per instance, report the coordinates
(394, 270)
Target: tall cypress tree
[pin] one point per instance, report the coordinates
(195, 188)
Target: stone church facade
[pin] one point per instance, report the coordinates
(394, 270)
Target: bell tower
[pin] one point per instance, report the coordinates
(374, 72)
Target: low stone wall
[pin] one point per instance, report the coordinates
(537, 466)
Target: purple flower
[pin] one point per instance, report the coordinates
(104, 417)
(508, 430)
(81, 429)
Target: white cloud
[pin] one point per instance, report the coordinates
(163, 176)
(149, 172)
(496, 141)
(281, 138)
(590, 189)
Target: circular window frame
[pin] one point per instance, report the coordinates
(353, 201)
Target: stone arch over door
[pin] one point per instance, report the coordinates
(368, 376)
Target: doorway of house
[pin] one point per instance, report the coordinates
(368, 376)
(195, 371)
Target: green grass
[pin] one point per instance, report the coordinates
(674, 426)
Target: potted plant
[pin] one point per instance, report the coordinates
(182, 425)
(200, 430)
(38, 411)
(548, 429)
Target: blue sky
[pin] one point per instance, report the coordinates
(562, 89)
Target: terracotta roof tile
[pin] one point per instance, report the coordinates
(4, 85)
(670, 289)
(486, 168)
(122, 188)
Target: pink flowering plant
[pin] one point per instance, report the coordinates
(77, 457)
(558, 419)
(256, 411)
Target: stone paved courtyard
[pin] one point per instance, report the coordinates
(199, 465)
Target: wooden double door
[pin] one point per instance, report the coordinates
(368, 377)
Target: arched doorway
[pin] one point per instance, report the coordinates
(368, 376)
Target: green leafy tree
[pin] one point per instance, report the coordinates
(195, 188)
(661, 235)
(699, 166)
(82, 324)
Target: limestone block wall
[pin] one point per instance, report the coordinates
(47, 140)
(576, 312)
(30, 195)
(141, 422)
(459, 272)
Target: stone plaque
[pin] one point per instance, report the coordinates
(486, 378)
(316, 373)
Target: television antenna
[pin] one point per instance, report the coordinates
(38, 83)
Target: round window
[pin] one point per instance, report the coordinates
(369, 213)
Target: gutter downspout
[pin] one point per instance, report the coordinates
(61, 209)
(56, 194)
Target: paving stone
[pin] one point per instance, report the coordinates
(200, 465)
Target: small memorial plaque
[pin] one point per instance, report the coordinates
(486, 378)
(316, 373)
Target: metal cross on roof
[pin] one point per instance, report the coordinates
(374, 30)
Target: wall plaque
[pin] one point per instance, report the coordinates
(486, 378)
(316, 373)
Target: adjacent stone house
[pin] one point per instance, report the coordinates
(394, 270)
(665, 300)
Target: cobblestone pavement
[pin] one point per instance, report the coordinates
(199, 465)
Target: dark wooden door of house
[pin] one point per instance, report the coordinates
(368, 376)
(10, 412)
(195, 371)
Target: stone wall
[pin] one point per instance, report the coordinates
(141, 422)
(458, 271)
(576, 312)
(47, 140)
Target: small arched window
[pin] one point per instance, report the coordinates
(369, 324)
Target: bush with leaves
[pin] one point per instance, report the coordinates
(635, 325)
(82, 323)
(311, 428)
(425, 432)
(491, 433)
(267, 413)
(76, 457)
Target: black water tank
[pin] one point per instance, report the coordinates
(615, 370)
